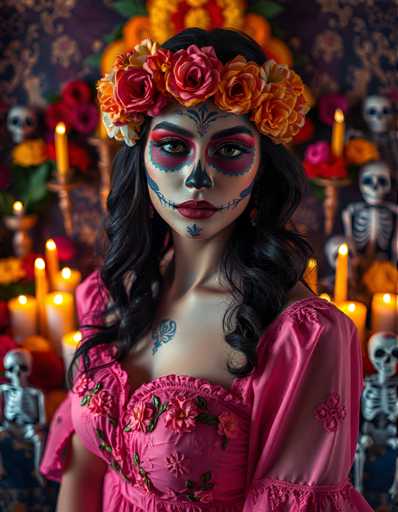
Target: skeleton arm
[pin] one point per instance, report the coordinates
(41, 408)
(347, 223)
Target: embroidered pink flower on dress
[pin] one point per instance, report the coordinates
(177, 464)
(204, 496)
(330, 412)
(140, 416)
(101, 403)
(228, 425)
(181, 414)
(83, 385)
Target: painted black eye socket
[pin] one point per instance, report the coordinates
(24, 368)
(386, 110)
(379, 352)
(383, 181)
(367, 181)
(394, 352)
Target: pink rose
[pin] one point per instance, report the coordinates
(101, 403)
(228, 425)
(318, 153)
(134, 90)
(140, 416)
(194, 75)
(83, 385)
(181, 415)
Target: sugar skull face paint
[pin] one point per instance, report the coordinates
(201, 164)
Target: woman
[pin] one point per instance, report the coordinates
(212, 379)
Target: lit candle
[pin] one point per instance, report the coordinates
(60, 317)
(18, 209)
(61, 150)
(23, 317)
(337, 144)
(325, 296)
(311, 275)
(357, 312)
(41, 289)
(70, 342)
(52, 261)
(385, 312)
(341, 277)
(67, 280)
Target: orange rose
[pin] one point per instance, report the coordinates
(158, 65)
(360, 151)
(107, 101)
(240, 86)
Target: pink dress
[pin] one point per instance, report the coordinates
(281, 439)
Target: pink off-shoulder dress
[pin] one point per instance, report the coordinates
(282, 439)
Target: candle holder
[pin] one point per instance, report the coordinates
(331, 201)
(21, 224)
(106, 150)
(63, 189)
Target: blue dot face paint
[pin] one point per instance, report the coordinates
(224, 147)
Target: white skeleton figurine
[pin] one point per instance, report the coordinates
(379, 405)
(23, 412)
(371, 226)
(22, 123)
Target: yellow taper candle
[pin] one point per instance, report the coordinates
(341, 277)
(61, 150)
(69, 344)
(23, 317)
(52, 261)
(311, 275)
(338, 130)
(357, 312)
(60, 317)
(67, 280)
(384, 312)
(41, 289)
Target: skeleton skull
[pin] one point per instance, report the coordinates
(383, 353)
(18, 366)
(374, 182)
(332, 248)
(21, 123)
(378, 114)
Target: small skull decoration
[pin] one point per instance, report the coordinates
(22, 123)
(332, 249)
(383, 353)
(374, 182)
(18, 366)
(378, 114)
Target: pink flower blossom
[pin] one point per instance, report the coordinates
(177, 464)
(139, 417)
(101, 403)
(330, 412)
(134, 89)
(228, 425)
(318, 153)
(84, 117)
(83, 385)
(328, 104)
(180, 415)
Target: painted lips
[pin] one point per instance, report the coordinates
(197, 209)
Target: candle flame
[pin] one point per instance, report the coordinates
(58, 299)
(40, 263)
(77, 336)
(22, 299)
(338, 115)
(325, 296)
(343, 249)
(51, 245)
(66, 273)
(387, 298)
(311, 263)
(351, 307)
(17, 207)
(60, 128)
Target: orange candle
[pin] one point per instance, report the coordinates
(311, 275)
(385, 312)
(67, 280)
(60, 317)
(61, 150)
(338, 130)
(70, 341)
(357, 312)
(41, 287)
(23, 317)
(341, 277)
(52, 261)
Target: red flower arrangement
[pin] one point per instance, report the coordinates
(319, 162)
(78, 156)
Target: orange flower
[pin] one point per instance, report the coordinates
(277, 49)
(360, 151)
(158, 65)
(240, 86)
(109, 55)
(135, 30)
(381, 277)
(107, 100)
(136, 57)
(257, 27)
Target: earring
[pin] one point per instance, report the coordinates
(253, 216)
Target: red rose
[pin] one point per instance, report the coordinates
(134, 89)
(76, 92)
(56, 113)
(306, 132)
(84, 117)
(28, 264)
(194, 75)
(101, 403)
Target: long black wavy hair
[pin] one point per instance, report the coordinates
(268, 258)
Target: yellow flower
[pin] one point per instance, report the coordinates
(30, 152)
(380, 277)
(11, 270)
(135, 30)
(197, 18)
(360, 151)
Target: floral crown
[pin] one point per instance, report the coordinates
(144, 81)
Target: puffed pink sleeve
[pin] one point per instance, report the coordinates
(306, 393)
(90, 296)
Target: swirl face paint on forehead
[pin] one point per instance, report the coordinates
(202, 117)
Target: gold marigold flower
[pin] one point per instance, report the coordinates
(30, 152)
(381, 277)
(197, 18)
(360, 151)
(11, 270)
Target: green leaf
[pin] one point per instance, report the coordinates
(142, 472)
(163, 407)
(97, 387)
(136, 459)
(117, 33)
(208, 419)
(85, 400)
(205, 477)
(150, 427)
(105, 447)
(130, 8)
(189, 484)
(37, 185)
(127, 429)
(156, 401)
(201, 402)
(266, 8)
(93, 60)
(100, 434)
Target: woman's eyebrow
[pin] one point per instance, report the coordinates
(232, 131)
(164, 125)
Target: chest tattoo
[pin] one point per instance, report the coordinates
(164, 333)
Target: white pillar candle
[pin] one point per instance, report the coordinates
(67, 280)
(357, 312)
(60, 317)
(385, 312)
(23, 317)
(70, 341)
